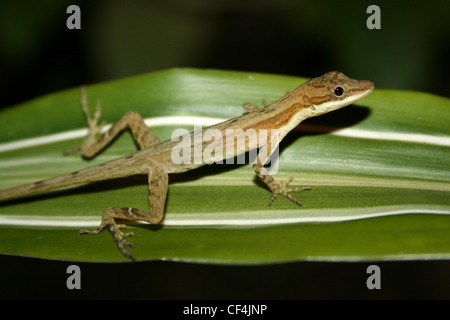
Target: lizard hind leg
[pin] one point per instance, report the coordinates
(158, 181)
(109, 217)
(96, 141)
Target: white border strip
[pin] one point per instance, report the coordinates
(394, 136)
(80, 133)
(206, 121)
(339, 216)
(193, 219)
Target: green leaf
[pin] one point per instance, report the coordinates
(379, 172)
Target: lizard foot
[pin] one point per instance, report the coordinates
(93, 127)
(114, 228)
(249, 108)
(283, 188)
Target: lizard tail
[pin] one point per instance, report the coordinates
(100, 172)
(41, 186)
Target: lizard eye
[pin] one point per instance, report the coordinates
(338, 91)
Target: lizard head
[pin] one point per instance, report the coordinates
(332, 91)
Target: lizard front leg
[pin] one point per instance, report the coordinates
(158, 181)
(277, 188)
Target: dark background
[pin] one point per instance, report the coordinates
(39, 55)
(28, 278)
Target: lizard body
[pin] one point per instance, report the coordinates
(155, 159)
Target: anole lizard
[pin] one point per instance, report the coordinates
(320, 95)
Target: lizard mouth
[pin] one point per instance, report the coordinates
(365, 87)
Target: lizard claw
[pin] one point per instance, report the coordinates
(249, 108)
(72, 151)
(94, 128)
(283, 188)
(118, 235)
